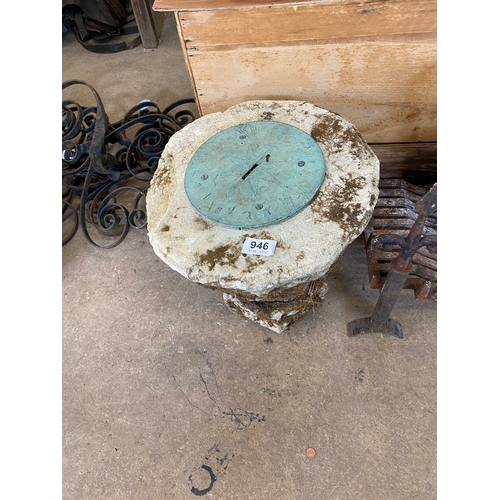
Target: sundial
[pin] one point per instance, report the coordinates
(296, 181)
(254, 174)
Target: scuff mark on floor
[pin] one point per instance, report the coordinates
(215, 463)
(241, 417)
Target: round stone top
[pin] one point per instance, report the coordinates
(306, 244)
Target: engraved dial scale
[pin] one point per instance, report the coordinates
(254, 174)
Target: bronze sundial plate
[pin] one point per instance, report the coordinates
(254, 174)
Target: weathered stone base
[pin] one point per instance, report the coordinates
(279, 309)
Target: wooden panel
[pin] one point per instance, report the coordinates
(350, 22)
(177, 5)
(371, 61)
(388, 90)
(186, 58)
(415, 163)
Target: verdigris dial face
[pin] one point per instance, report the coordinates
(254, 174)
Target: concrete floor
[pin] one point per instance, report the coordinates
(163, 384)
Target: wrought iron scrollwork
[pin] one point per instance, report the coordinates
(107, 167)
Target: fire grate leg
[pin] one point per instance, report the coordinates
(365, 325)
(380, 321)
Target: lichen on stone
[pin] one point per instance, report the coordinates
(224, 255)
(338, 205)
(336, 135)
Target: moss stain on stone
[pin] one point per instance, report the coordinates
(223, 255)
(335, 136)
(228, 255)
(176, 213)
(300, 256)
(252, 262)
(262, 235)
(164, 176)
(202, 222)
(337, 205)
(293, 303)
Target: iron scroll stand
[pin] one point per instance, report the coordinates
(107, 167)
(380, 321)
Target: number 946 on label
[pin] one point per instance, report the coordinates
(258, 247)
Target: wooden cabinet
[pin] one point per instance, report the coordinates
(372, 61)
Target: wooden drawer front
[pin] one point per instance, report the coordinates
(372, 62)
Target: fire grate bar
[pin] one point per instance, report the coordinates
(393, 217)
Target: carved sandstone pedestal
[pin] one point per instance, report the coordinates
(276, 290)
